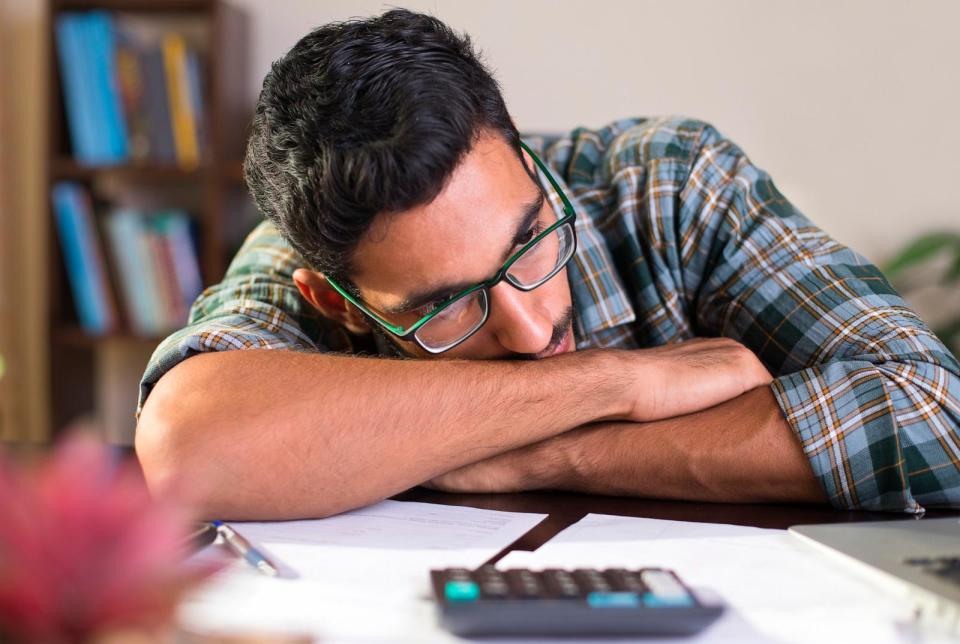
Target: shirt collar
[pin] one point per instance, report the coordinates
(599, 298)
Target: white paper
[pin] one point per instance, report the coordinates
(776, 588)
(359, 576)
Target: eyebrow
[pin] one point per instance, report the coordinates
(530, 214)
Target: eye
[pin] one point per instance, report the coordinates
(430, 307)
(528, 236)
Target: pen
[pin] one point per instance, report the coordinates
(245, 549)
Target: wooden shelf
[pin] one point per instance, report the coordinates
(70, 169)
(136, 6)
(209, 193)
(77, 337)
(63, 168)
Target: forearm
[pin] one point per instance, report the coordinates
(275, 434)
(739, 451)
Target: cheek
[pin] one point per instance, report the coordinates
(554, 296)
(560, 295)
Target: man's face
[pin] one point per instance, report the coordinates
(460, 239)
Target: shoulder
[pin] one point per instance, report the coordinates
(597, 155)
(265, 251)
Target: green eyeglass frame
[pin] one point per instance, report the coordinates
(408, 334)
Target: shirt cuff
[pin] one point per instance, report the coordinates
(844, 419)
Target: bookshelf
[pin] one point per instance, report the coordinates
(90, 369)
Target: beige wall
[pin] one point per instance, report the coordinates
(852, 106)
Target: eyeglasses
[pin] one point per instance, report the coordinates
(453, 320)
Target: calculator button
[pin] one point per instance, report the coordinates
(656, 601)
(623, 580)
(561, 583)
(487, 571)
(494, 589)
(590, 580)
(489, 574)
(664, 589)
(613, 600)
(524, 583)
(461, 591)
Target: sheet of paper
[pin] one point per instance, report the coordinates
(358, 576)
(776, 588)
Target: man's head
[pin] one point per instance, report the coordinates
(384, 153)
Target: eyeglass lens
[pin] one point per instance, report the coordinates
(465, 315)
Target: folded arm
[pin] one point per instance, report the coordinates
(869, 394)
(739, 451)
(294, 431)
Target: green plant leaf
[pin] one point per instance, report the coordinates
(948, 331)
(920, 250)
(953, 271)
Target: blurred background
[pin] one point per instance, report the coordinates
(122, 127)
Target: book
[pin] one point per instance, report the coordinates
(77, 100)
(159, 272)
(172, 310)
(102, 50)
(181, 110)
(86, 270)
(157, 106)
(130, 80)
(129, 96)
(175, 226)
(195, 85)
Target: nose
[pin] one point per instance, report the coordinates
(517, 322)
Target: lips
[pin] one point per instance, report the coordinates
(565, 345)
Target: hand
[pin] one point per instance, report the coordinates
(532, 467)
(679, 379)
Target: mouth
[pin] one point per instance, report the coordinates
(563, 346)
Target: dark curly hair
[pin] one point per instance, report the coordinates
(361, 118)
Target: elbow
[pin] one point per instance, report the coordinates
(156, 448)
(167, 457)
(186, 455)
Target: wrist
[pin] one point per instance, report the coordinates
(562, 462)
(578, 388)
(608, 382)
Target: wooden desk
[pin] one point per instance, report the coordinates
(565, 509)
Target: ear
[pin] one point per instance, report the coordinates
(528, 161)
(315, 289)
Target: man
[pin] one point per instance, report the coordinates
(600, 311)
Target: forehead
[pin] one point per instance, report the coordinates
(459, 236)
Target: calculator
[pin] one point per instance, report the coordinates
(553, 602)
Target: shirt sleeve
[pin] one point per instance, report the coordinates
(872, 394)
(256, 306)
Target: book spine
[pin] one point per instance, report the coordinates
(195, 85)
(158, 107)
(123, 229)
(123, 262)
(70, 243)
(149, 281)
(131, 84)
(94, 261)
(185, 260)
(87, 60)
(78, 109)
(167, 291)
(103, 50)
(181, 112)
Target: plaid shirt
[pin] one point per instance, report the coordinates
(680, 235)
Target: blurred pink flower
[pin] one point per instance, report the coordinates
(85, 549)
